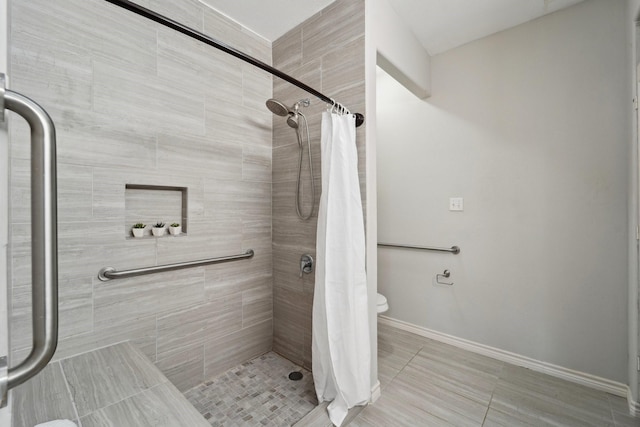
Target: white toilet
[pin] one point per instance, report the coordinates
(383, 305)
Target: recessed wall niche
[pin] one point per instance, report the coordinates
(150, 204)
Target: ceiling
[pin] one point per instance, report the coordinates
(439, 25)
(268, 18)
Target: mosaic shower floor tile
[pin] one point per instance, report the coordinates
(256, 393)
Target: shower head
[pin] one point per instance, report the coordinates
(292, 120)
(277, 107)
(292, 114)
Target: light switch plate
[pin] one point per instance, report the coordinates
(456, 204)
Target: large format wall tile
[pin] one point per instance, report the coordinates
(218, 26)
(75, 311)
(187, 12)
(70, 74)
(237, 199)
(93, 139)
(136, 103)
(285, 159)
(256, 163)
(334, 27)
(342, 71)
(189, 328)
(224, 352)
(286, 267)
(207, 239)
(257, 305)
(114, 35)
(83, 249)
(287, 50)
(326, 52)
(292, 316)
(222, 279)
(186, 155)
(125, 95)
(74, 195)
(141, 333)
(123, 301)
(256, 89)
(185, 369)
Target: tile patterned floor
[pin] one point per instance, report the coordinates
(256, 393)
(428, 383)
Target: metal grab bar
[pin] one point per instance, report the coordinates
(44, 240)
(453, 249)
(108, 273)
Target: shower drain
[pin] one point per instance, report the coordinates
(295, 376)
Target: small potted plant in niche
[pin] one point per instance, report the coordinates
(138, 229)
(175, 229)
(158, 229)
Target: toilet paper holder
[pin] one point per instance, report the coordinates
(446, 274)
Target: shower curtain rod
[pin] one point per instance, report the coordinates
(170, 23)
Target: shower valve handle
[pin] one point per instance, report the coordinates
(306, 264)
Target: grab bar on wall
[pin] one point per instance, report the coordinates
(108, 273)
(44, 240)
(453, 249)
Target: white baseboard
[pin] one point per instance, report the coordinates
(598, 383)
(375, 392)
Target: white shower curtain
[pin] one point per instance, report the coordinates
(341, 352)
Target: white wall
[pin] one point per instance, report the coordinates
(531, 127)
(399, 52)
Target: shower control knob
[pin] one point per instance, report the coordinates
(306, 264)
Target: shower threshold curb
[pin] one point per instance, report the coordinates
(319, 417)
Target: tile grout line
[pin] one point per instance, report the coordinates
(470, 398)
(68, 386)
(613, 418)
(164, 383)
(484, 419)
(406, 364)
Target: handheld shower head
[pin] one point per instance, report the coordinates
(297, 121)
(292, 114)
(292, 120)
(277, 107)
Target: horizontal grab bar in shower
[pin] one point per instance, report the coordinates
(453, 249)
(108, 273)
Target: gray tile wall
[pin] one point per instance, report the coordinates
(326, 52)
(137, 103)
